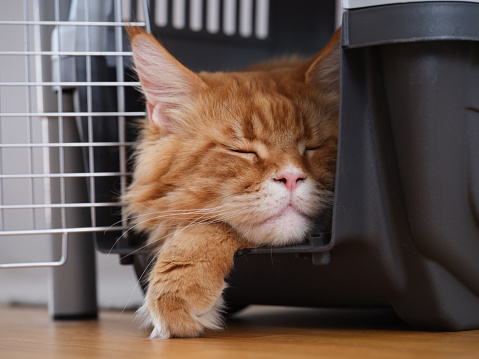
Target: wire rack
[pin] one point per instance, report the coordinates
(49, 152)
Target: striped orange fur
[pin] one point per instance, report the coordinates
(226, 161)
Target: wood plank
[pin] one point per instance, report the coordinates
(259, 332)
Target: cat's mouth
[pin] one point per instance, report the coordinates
(287, 211)
(288, 225)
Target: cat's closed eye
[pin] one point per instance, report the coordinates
(314, 148)
(310, 150)
(247, 153)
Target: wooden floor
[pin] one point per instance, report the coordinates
(259, 332)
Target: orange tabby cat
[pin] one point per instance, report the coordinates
(226, 161)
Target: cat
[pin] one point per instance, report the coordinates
(226, 161)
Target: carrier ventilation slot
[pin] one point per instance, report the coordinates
(244, 18)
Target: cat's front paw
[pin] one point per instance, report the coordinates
(186, 283)
(172, 316)
(159, 328)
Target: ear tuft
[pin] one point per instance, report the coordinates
(132, 31)
(323, 69)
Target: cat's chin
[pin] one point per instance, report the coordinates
(287, 227)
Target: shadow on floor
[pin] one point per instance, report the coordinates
(318, 318)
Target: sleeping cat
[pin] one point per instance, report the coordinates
(226, 161)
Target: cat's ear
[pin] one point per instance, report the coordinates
(323, 69)
(166, 83)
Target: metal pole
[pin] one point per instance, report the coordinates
(72, 287)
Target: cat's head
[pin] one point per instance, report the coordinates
(254, 149)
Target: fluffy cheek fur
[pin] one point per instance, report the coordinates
(275, 216)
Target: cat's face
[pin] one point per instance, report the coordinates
(254, 149)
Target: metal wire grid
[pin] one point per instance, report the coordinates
(39, 150)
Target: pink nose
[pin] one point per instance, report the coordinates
(290, 179)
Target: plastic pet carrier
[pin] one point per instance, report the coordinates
(405, 227)
(405, 222)
(406, 210)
